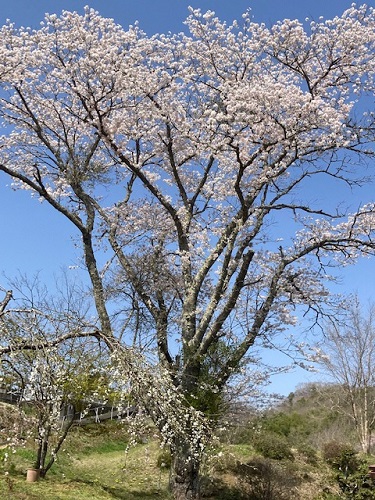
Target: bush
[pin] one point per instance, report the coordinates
(309, 454)
(272, 445)
(333, 451)
(217, 488)
(164, 460)
(352, 476)
(261, 479)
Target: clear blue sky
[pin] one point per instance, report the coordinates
(164, 15)
(32, 236)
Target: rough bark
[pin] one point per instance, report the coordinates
(184, 479)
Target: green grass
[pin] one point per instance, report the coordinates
(93, 466)
(241, 451)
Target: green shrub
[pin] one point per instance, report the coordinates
(164, 459)
(352, 476)
(272, 445)
(6, 464)
(278, 423)
(309, 454)
(289, 424)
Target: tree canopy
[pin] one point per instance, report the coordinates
(190, 158)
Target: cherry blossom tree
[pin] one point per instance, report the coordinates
(191, 162)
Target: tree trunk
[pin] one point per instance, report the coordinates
(55, 451)
(184, 478)
(187, 447)
(44, 451)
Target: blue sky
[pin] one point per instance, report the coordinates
(34, 237)
(164, 15)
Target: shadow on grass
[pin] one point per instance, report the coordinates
(134, 495)
(120, 493)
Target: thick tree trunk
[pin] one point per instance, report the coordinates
(184, 478)
(186, 451)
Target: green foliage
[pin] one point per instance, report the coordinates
(6, 464)
(26, 454)
(296, 427)
(164, 459)
(308, 453)
(100, 474)
(272, 445)
(351, 474)
(279, 423)
(87, 384)
(208, 398)
(286, 424)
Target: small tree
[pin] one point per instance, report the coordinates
(52, 361)
(56, 386)
(347, 356)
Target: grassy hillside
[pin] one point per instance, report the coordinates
(93, 466)
(294, 451)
